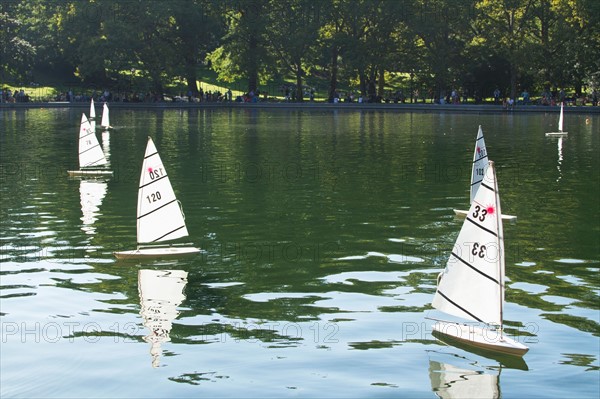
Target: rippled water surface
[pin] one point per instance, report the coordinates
(322, 236)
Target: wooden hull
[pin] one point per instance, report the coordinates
(557, 134)
(463, 214)
(478, 337)
(157, 253)
(91, 172)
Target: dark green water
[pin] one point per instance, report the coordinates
(323, 233)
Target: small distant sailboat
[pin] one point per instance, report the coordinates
(159, 214)
(560, 132)
(480, 162)
(161, 292)
(105, 121)
(92, 115)
(91, 156)
(472, 284)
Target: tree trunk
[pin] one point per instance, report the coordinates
(362, 82)
(513, 80)
(157, 85)
(252, 65)
(299, 90)
(333, 72)
(372, 88)
(190, 77)
(381, 82)
(254, 8)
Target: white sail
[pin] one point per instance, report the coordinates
(472, 284)
(161, 292)
(560, 119)
(90, 152)
(159, 213)
(92, 115)
(92, 192)
(480, 162)
(105, 122)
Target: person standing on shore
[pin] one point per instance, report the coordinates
(497, 96)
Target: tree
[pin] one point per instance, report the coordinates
(443, 29)
(198, 28)
(506, 26)
(331, 39)
(294, 28)
(242, 53)
(16, 52)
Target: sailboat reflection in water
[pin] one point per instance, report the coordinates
(161, 292)
(472, 375)
(92, 193)
(469, 380)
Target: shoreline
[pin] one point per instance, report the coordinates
(454, 108)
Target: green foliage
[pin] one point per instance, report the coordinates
(439, 45)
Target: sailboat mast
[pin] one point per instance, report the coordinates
(500, 246)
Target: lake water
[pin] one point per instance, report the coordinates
(322, 236)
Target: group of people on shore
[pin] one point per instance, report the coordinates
(547, 97)
(18, 96)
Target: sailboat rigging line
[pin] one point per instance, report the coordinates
(479, 159)
(153, 181)
(181, 209)
(148, 156)
(488, 187)
(88, 134)
(170, 232)
(474, 268)
(88, 149)
(154, 210)
(481, 227)
(460, 307)
(500, 251)
(476, 182)
(93, 163)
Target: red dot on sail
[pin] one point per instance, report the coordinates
(150, 170)
(490, 210)
(478, 149)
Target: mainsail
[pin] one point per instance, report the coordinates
(560, 119)
(90, 152)
(480, 162)
(93, 116)
(472, 284)
(159, 213)
(105, 122)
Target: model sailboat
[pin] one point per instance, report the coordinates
(91, 157)
(472, 284)
(560, 132)
(160, 217)
(105, 121)
(161, 292)
(92, 116)
(480, 162)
